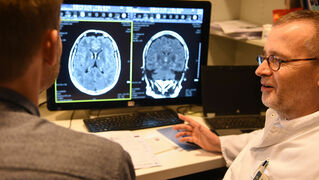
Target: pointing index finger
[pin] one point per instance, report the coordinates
(189, 120)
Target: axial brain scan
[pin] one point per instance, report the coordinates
(94, 62)
(165, 59)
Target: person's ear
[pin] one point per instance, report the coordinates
(50, 47)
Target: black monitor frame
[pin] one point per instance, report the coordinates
(51, 94)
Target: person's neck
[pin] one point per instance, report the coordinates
(23, 89)
(27, 85)
(295, 114)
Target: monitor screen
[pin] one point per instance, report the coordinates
(231, 90)
(132, 53)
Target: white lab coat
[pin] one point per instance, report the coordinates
(292, 148)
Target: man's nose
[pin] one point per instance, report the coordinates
(263, 69)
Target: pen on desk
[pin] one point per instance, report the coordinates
(169, 149)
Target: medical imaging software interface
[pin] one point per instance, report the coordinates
(114, 53)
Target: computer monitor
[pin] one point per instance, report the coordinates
(130, 53)
(231, 90)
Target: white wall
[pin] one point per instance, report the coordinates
(223, 51)
(259, 11)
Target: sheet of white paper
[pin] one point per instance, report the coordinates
(159, 144)
(140, 152)
(236, 26)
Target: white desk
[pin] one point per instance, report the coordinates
(174, 163)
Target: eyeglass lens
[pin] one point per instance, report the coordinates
(273, 63)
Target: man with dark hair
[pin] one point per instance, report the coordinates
(286, 148)
(31, 147)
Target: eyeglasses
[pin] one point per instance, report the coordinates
(274, 62)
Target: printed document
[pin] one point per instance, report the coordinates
(140, 152)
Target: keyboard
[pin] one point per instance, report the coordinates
(236, 122)
(133, 121)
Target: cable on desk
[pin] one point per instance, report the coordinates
(98, 112)
(186, 109)
(181, 109)
(41, 104)
(72, 115)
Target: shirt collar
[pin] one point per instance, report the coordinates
(277, 130)
(18, 100)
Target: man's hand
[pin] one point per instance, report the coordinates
(194, 132)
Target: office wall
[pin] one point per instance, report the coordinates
(259, 11)
(224, 51)
(255, 11)
(225, 9)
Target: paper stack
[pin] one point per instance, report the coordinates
(237, 29)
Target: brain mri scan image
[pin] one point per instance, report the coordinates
(165, 59)
(94, 62)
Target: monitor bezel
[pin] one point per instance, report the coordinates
(206, 5)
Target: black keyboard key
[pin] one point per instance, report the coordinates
(133, 121)
(236, 122)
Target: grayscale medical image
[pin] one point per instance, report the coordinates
(94, 62)
(165, 59)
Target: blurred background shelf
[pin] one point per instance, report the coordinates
(256, 42)
(225, 50)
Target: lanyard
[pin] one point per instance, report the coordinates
(260, 171)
